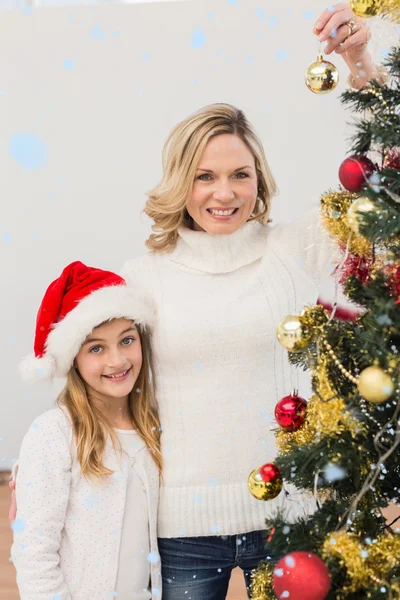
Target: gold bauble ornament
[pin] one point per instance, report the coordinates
(375, 385)
(321, 76)
(291, 335)
(263, 490)
(361, 206)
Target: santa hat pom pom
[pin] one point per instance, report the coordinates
(37, 369)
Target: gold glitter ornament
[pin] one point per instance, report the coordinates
(291, 334)
(375, 385)
(357, 209)
(263, 490)
(321, 76)
(334, 209)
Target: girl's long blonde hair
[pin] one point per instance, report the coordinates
(91, 427)
(166, 204)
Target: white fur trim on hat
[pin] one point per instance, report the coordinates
(37, 369)
(67, 336)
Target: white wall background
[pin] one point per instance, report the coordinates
(93, 92)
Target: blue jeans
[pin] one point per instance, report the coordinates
(199, 568)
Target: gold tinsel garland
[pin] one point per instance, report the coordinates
(313, 320)
(261, 582)
(324, 418)
(365, 563)
(373, 8)
(334, 207)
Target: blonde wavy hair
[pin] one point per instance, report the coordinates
(166, 204)
(91, 427)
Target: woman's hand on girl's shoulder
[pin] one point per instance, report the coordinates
(12, 512)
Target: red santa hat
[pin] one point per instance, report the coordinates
(74, 304)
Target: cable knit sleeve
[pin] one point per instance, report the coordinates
(308, 244)
(43, 486)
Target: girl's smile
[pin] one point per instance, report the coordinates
(120, 376)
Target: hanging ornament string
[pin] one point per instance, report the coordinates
(337, 362)
(315, 490)
(373, 383)
(378, 94)
(336, 284)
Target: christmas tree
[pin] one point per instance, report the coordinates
(343, 445)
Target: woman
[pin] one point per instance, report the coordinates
(220, 279)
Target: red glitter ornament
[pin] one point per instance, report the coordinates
(355, 171)
(290, 412)
(301, 576)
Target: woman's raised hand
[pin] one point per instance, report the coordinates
(348, 35)
(343, 31)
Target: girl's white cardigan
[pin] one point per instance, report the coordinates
(68, 530)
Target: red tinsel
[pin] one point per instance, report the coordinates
(392, 160)
(393, 281)
(357, 266)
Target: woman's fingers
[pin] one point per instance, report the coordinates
(332, 27)
(342, 33)
(12, 513)
(359, 39)
(327, 15)
(335, 22)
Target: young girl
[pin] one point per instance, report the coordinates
(88, 472)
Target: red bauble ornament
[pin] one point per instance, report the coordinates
(355, 171)
(301, 576)
(270, 472)
(290, 412)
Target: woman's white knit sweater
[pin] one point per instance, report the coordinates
(219, 368)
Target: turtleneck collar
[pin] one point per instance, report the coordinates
(214, 254)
